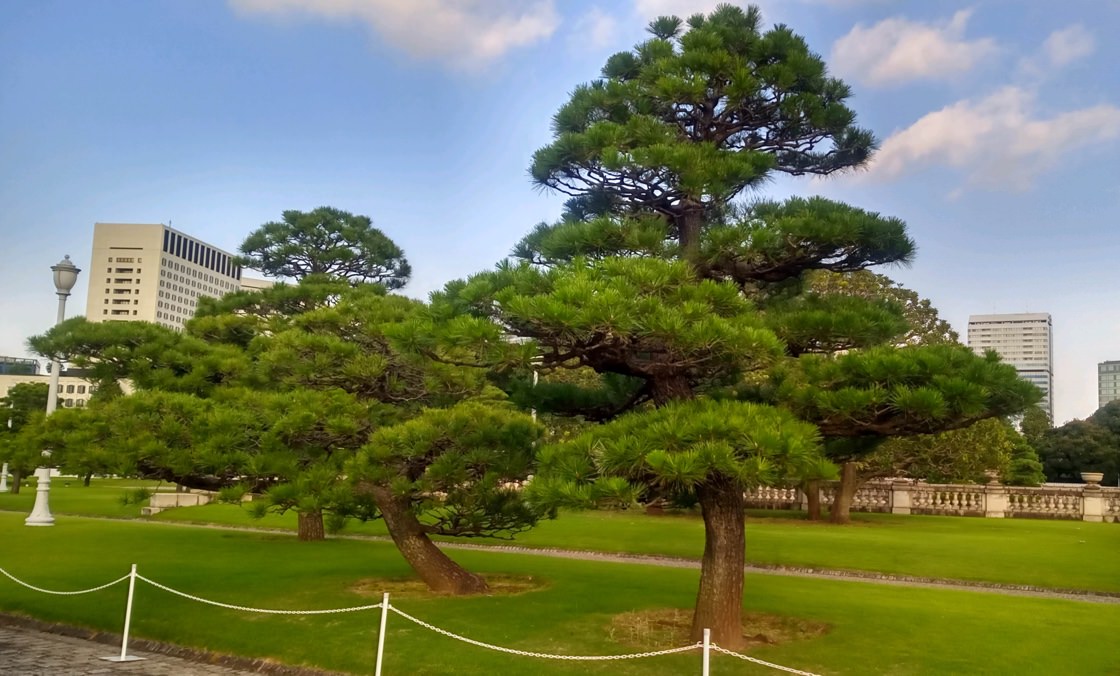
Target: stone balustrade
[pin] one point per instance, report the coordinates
(1087, 502)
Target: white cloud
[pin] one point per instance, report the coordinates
(681, 8)
(1000, 140)
(897, 50)
(464, 33)
(596, 29)
(1068, 45)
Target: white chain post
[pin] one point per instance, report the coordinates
(707, 651)
(381, 633)
(124, 656)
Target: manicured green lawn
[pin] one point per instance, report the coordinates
(874, 629)
(68, 496)
(1056, 554)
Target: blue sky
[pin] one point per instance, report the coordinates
(999, 122)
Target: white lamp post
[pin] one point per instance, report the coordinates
(65, 277)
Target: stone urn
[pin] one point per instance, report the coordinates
(1092, 478)
(993, 476)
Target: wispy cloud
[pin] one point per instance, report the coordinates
(1000, 141)
(897, 50)
(596, 29)
(1068, 45)
(460, 33)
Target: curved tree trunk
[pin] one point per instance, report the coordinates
(311, 526)
(435, 568)
(719, 603)
(86, 479)
(812, 490)
(849, 484)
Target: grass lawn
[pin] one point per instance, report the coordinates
(1056, 554)
(874, 629)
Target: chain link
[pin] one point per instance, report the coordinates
(13, 578)
(764, 663)
(549, 656)
(255, 610)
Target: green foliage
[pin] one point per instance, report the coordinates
(1034, 425)
(886, 391)
(670, 451)
(456, 468)
(1025, 468)
(957, 456)
(21, 402)
(1082, 446)
(924, 325)
(700, 114)
(136, 496)
(326, 241)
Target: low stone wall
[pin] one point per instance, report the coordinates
(162, 501)
(1088, 502)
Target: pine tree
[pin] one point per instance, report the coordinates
(695, 313)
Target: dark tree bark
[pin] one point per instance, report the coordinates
(845, 492)
(86, 479)
(311, 526)
(812, 489)
(17, 481)
(669, 389)
(435, 568)
(719, 603)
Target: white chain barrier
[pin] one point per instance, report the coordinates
(18, 581)
(248, 609)
(549, 656)
(764, 663)
(384, 606)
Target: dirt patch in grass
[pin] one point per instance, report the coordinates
(661, 627)
(500, 585)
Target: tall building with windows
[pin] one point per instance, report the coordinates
(1024, 341)
(151, 272)
(1108, 382)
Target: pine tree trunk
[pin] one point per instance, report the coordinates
(845, 492)
(17, 481)
(812, 491)
(311, 526)
(435, 568)
(689, 225)
(719, 603)
(666, 390)
(86, 479)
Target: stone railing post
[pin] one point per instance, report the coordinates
(900, 497)
(995, 501)
(1092, 503)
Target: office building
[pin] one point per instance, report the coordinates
(151, 272)
(1108, 382)
(1023, 341)
(73, 389)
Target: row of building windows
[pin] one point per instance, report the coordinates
(200, 254)
(76, 389)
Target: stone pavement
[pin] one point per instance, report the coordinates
(27, 652)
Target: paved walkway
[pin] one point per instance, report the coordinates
(28, 652)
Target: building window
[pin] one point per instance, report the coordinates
(69, 389)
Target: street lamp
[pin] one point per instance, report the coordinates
(65, 277)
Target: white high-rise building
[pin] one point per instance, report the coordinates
(1108, 382)
(151, 272)
(1024, 341)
